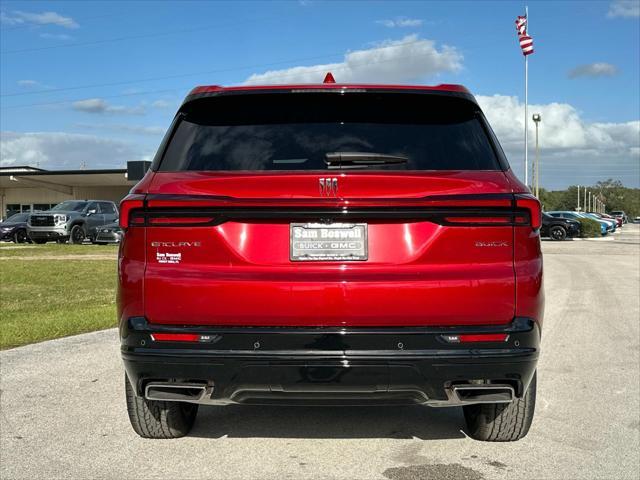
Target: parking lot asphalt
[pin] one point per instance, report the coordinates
(63, 413)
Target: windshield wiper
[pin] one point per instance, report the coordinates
(361, 159)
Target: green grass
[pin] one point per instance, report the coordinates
(44, 299)
(29, 250)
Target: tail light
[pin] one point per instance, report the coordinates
(492, 210)
(130, 203)
(532, 204)
(172, 218)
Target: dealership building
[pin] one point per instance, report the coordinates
(28, 189)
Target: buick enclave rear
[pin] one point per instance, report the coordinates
(330, 245)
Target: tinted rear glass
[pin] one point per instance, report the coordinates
(296, 131)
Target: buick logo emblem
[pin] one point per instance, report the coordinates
(329, 187)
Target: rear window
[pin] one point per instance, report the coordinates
(296, 131)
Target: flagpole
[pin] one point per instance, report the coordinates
(526, 108)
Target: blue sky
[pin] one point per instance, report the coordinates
(584, 75)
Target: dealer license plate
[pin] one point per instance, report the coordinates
(334, 242)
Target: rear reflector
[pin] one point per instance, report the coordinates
(175, 337)
(475, 338)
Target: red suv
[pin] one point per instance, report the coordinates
(332, 244)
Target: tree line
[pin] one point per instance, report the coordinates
(612, 192)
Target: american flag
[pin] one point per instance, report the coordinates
(526, 42)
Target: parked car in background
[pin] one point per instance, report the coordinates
(620, 214)
(611, 224)
(636, 220)
(111, 233)
(605, 216)
(72, 220)
(604, 226)
(14, 228)
(336, 244)
(557, 228)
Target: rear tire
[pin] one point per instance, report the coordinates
(557, 233)
(156, 419)
(502, 422)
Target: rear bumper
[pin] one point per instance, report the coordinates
(330, 365)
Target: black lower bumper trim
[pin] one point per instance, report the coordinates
(331, 366)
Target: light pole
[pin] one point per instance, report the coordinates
(536, 119)
(578, 209)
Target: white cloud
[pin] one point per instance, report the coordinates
(57, 150)
(572, 148)
(56, 36)
(101, 106)
(28, 83)
(564, 129)
(624, 8)
(32, 84)
(409, 59)
(402, 22)
(600, 69)
(125, 128)
(161, 104)
(44, 18)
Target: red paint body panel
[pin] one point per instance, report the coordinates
(418, 273)
(375, 188)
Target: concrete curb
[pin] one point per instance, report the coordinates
(597, 239)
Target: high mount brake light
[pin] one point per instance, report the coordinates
(329, 78)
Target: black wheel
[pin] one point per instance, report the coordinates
(557, 233)
(502, 422)
(20, 236)
(77, 235)
(40, 241)
(156, 419)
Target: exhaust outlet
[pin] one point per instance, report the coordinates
(177, 392)
(487, 393)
